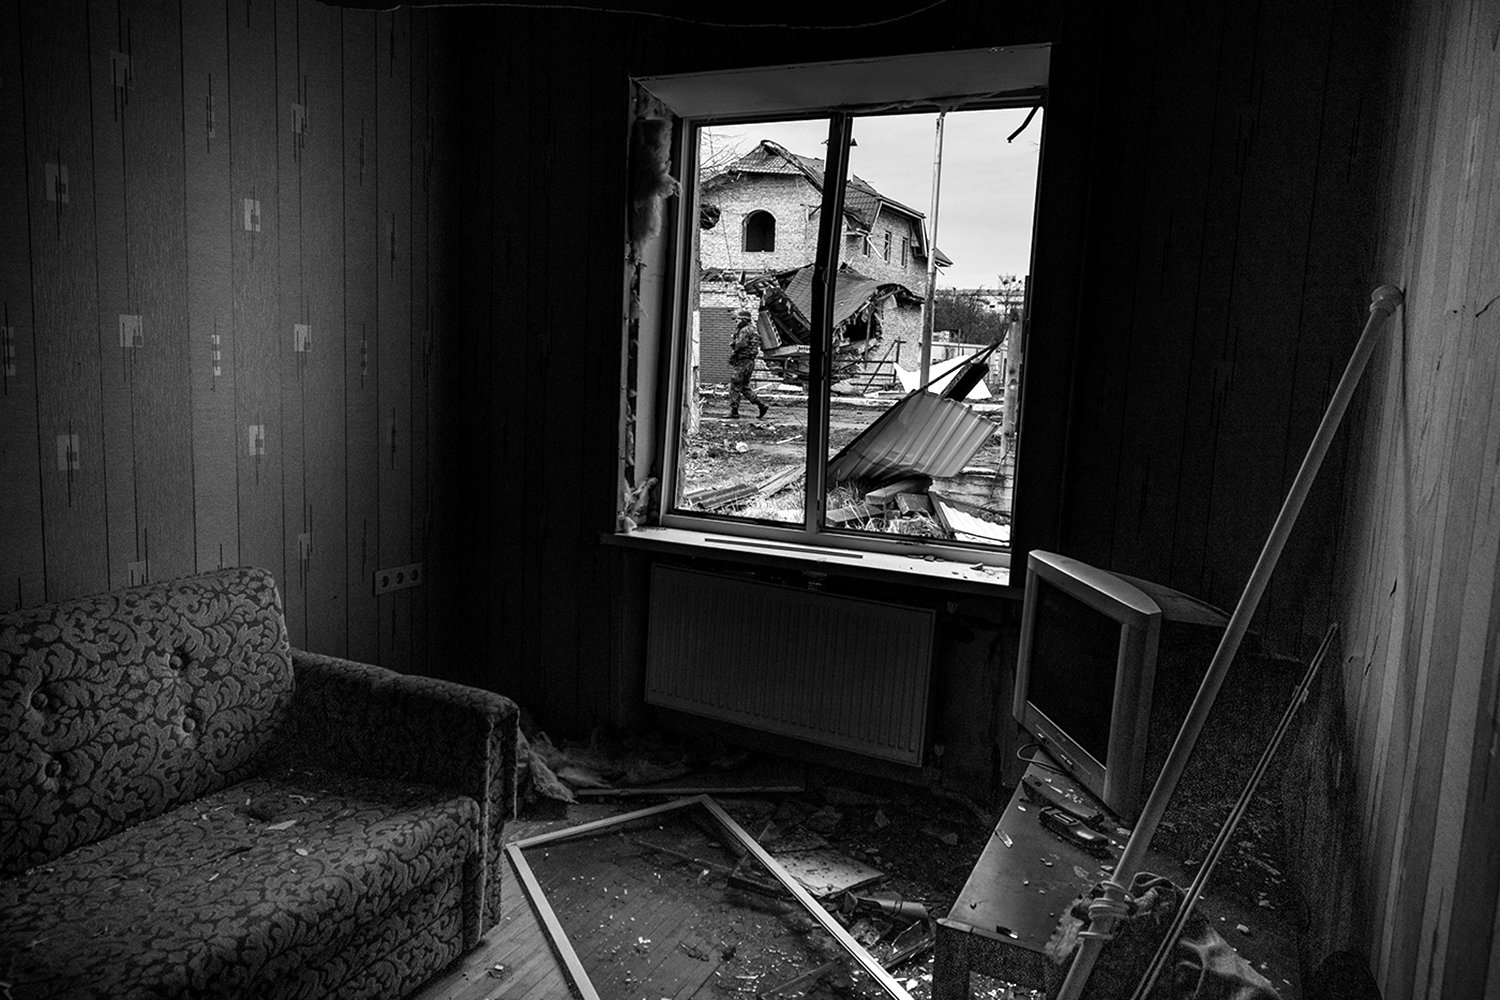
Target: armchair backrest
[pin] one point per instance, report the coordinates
(116, 708)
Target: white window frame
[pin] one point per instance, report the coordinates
(988, 78)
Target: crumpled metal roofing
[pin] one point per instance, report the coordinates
(921, 434)
(850, 291)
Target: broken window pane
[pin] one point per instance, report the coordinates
(939, 463)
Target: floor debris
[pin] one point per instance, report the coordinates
(622, 897)
(826, 872)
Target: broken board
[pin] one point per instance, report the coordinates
(826, 872)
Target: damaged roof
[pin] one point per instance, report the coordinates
(862, 203)
(851, 290)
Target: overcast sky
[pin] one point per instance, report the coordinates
(988, 187)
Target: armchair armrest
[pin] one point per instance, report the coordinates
(367, 720)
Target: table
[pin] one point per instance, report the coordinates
(1022, 883)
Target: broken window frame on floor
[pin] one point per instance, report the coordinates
(659, 334)
(732, 831)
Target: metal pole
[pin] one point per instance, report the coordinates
(1106, 911)
(931, 304)
(1241, 805)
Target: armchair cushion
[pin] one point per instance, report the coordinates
(368, 720)
(240, 891)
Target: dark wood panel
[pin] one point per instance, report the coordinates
(599, 431)
(151, 123)
(422, 264)
(1106, 336)
(1269, 286)
(361, 415)
(1210, 359)
(1064, 200)
(65, 301)
(468, 446)
(321, 163)
(24, 582)
(1153, 417)
(209, 214)
(255, 244)
(520, 430)
(442, 296)
(292, 331)
(119, 349)
(1333, 309)
(561, 229)
(393, 282)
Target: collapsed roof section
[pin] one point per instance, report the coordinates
(786, 296)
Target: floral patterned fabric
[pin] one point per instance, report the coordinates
(240, 889)
(368, 720)
(414, 942)
(191, 809)
(115, 708)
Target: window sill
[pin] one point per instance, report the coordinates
(928, 571)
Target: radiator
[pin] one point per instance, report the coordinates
(836, 671)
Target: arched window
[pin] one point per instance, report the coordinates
(760, 232)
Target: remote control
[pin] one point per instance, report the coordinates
(1074, 832)
(1045, 794)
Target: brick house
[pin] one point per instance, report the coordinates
(759, 215)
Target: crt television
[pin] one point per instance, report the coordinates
(1086, 673)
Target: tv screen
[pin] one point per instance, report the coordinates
(1075, 651)
(1084, 674)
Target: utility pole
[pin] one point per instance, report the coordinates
(930, 307)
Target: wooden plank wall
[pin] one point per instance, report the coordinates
(203, 364)
(528, 398)
(1421, 524)
(1222, 295)
(1224, 286)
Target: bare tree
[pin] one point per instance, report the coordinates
(967, 312)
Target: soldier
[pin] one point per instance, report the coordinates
(744, 348)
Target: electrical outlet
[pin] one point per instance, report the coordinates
(397, 578)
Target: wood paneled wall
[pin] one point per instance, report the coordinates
(1421, 537)
(544, 611)
(1223, 290)
(216, 289)
(1223, 251)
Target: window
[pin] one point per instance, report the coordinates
(791, 405)
(760, 232)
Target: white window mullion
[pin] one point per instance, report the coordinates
(825, 273)
(677, 314)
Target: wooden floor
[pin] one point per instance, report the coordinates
(517, 944)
